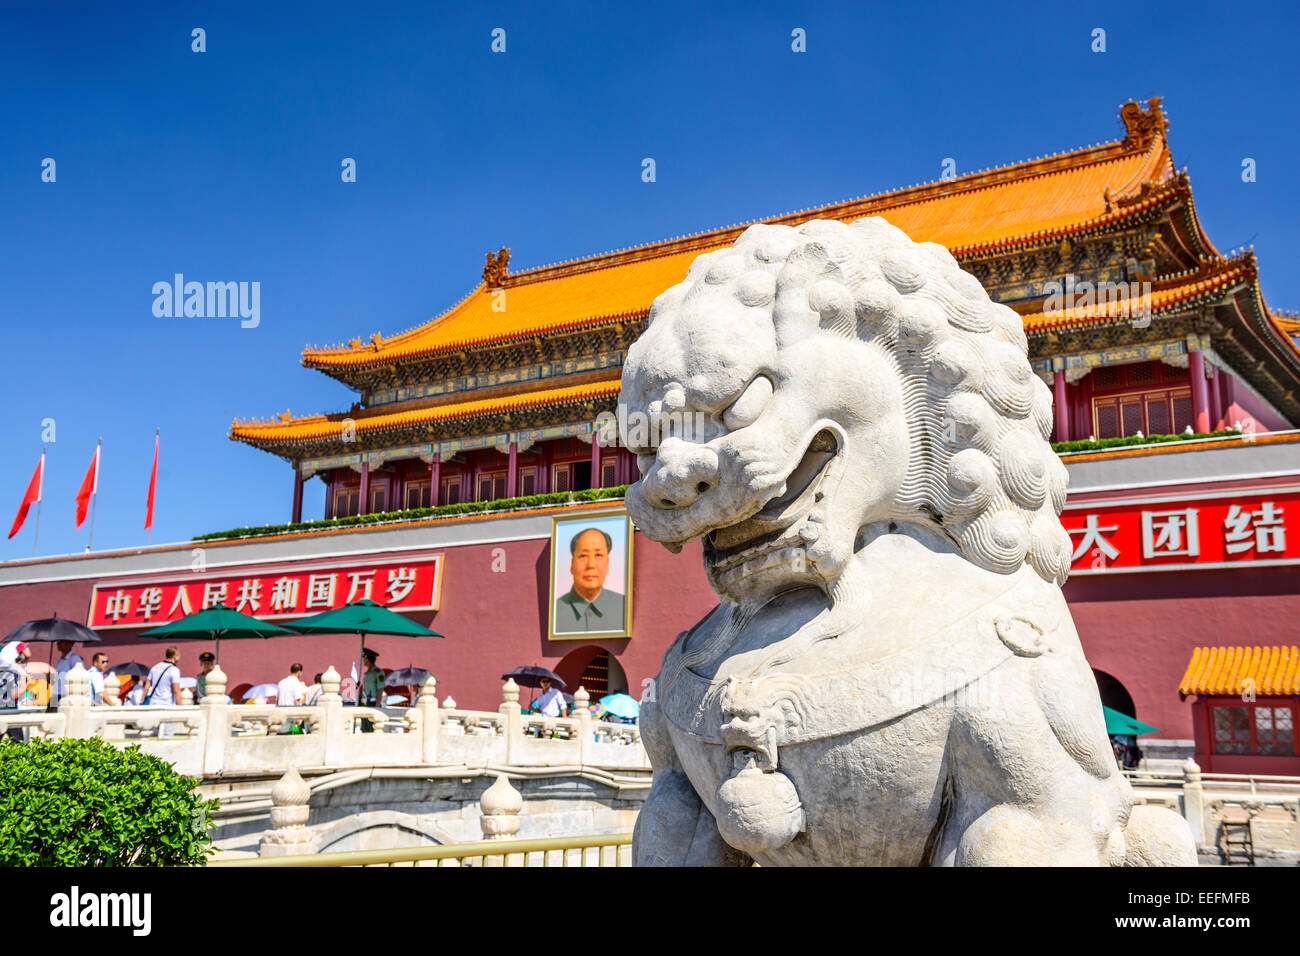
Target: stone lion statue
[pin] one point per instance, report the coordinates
(891, 676)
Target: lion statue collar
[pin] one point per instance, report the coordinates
(781, 693)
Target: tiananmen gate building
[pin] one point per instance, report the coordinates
(473, 441)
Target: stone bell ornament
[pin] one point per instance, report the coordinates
(891, 676)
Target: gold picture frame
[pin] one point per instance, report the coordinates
(568, 609)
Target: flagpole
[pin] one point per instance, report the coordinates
(36, 540)
(149, 537)
(94, 494)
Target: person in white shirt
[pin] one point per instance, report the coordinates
(98, 668)
(292, 691)
(551, 702)
(67, 662)
(162, 687)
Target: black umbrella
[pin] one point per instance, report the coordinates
(406, 677)
(129, 669)
(532, 675)
(53, 629)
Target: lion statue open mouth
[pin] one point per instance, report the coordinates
(892, 675)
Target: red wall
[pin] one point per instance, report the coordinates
(494, 621)
(1140, 628)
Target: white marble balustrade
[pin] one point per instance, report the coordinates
(214, 737)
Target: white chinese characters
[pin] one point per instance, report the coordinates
(1262, 530)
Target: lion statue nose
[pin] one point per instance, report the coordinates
(683, 472)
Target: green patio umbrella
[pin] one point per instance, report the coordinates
(1117, 723)
(362, 617)
(215, 623)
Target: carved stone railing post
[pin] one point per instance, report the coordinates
(289, 813)
(216, 722)
(187, 697)
(499, 806)
(112, 688)
(582, 713)
(1194, 801)
(430, 720)
(509, 709)
(333, 722)
(75, 703)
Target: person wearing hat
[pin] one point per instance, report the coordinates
(372, 685)
(207, 661)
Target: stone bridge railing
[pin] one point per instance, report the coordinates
(1213, 803)
(215, 738)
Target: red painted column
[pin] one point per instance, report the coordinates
(297, 496)
(1061, 406)
(363, 506)
(543, 469)
(1216, 411)
(435, 479)
(1200, 397)
(512, 471)
(595, 459)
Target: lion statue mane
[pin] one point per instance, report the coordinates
(852, 428)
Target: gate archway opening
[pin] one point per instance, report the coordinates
(594, 669)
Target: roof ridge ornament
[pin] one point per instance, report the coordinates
(1142, 126)
(494, 271)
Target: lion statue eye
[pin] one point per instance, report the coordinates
(746, 409)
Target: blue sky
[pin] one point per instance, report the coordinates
(225, 166)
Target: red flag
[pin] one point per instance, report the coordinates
(33, 495)
(153, 484)
(89, 485)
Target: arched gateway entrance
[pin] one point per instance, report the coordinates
(593, 668)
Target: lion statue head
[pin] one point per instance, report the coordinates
(810, 387)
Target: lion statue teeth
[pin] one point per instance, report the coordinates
(891, 677)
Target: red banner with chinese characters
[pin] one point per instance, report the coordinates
(268, 594)
(1247, 527)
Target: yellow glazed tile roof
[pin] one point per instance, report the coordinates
(323, 426)
(1031, 200)
(1224, 671)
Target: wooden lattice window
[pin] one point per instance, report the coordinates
(528, 481)
(1160, 412)
(347, 501)
(563, 479)
(418, 493)
(378, 500)
(1107, 420)
(451, 491)
(1143, 373)
(1232, 730)
(1274, 730)
(608, 471)
(492, 487)
(1106, 377)
(1265, 728)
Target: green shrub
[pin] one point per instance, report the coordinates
(74, 802)
(1061, 447)
(414, 514)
